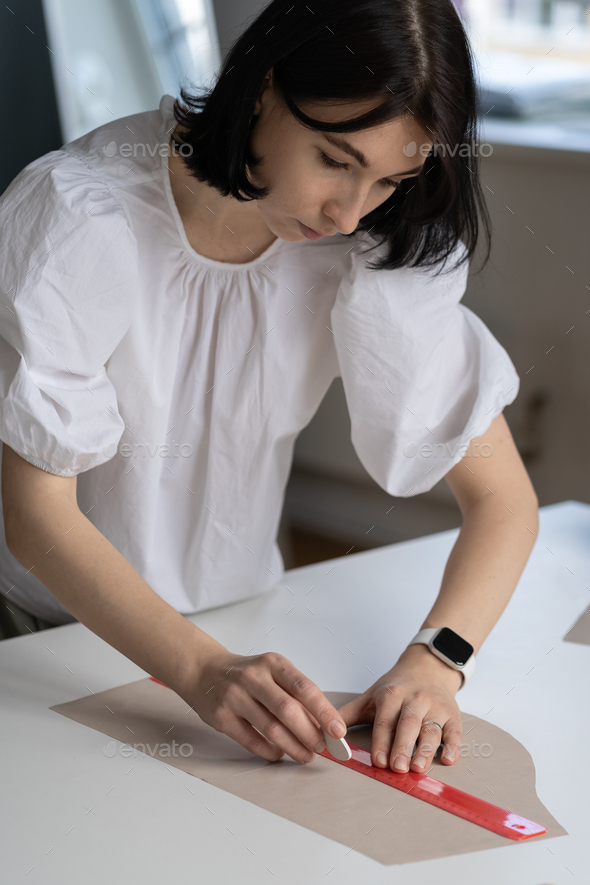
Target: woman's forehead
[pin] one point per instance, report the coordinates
(340, 112)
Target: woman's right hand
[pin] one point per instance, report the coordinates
(265, 704)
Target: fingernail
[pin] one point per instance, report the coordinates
(401, 763)
(320, 747)
(338, 730)
(419, 763)
(381, 758)
(449, 752)
(310, 757)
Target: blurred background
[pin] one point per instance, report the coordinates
(68, 66)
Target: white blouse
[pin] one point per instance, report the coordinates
(174, 386)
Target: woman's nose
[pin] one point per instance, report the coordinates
(347, 214)
(349, 226)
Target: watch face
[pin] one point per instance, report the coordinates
(452, 646)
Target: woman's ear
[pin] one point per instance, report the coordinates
(267, 83)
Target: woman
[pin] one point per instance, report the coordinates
(175, 318)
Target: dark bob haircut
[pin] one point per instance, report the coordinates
(412, 56)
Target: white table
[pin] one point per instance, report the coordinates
(72, 815)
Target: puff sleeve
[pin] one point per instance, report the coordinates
(422, 374)
(68, 269)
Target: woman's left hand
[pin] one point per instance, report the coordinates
(399, 704)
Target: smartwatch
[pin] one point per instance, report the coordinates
(451, 648)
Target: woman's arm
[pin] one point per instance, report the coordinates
(262, 701)
(500, 523)
(47, 533)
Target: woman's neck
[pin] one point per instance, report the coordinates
(221, 228)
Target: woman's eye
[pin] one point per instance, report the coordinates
(332, 164)
(328, 161)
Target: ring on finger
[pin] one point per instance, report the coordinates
(423, 751)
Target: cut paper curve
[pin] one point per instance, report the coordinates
(352, 809)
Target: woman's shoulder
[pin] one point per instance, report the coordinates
(57, 185)
(54, 197)
(102, 164)
(128, 150)
(63, 223)
(351, 257)
(86, 180)
(348, 258)
(409, 286)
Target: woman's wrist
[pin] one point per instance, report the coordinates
(198, 649)
(420, 657)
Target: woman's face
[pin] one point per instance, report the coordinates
(305, 190)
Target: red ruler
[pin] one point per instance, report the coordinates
(421, 786)
(478, 811)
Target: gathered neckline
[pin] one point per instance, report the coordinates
(211, 262)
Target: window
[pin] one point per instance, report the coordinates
(111, 58)
(183, 40)
(533, 57)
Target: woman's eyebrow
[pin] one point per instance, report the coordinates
(358, 155)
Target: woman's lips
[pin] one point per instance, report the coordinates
(309, 232)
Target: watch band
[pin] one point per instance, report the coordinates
(426, 637)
